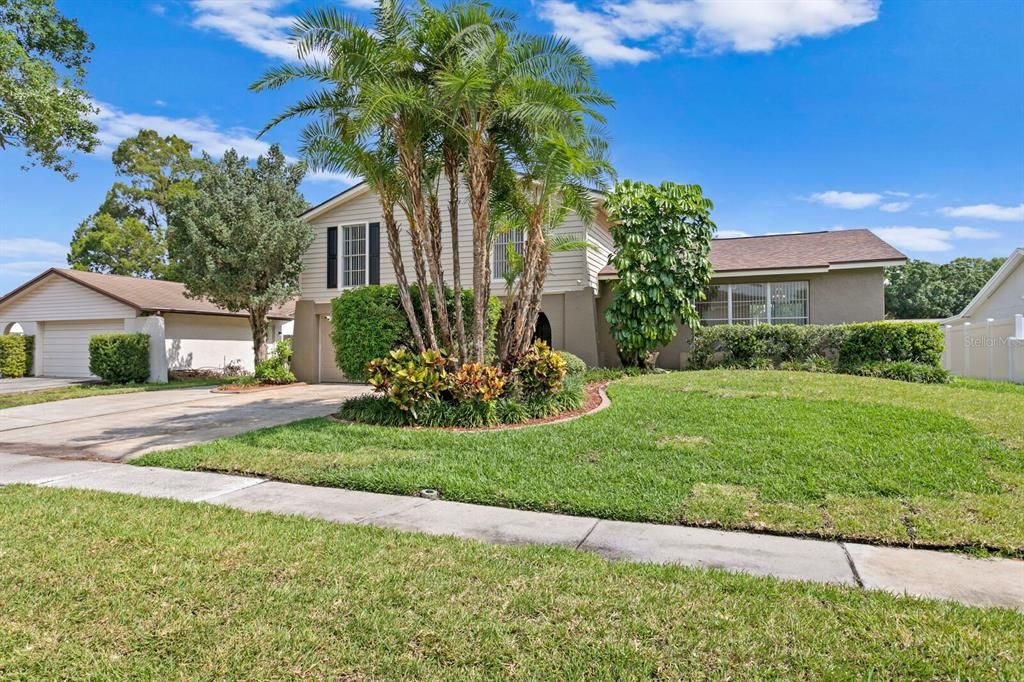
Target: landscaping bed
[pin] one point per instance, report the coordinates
(101, 586)
(821, 455)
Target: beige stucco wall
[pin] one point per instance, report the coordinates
(854, 295)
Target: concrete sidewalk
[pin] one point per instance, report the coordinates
(939, 575)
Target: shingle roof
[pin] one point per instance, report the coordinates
(795, 251)
(150, 295)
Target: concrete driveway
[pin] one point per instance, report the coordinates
(122, 427)
(25, 384)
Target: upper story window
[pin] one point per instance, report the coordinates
(354, 271)
(755, 303)
(502, 264)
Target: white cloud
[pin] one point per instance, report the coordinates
(637, 30)
(30, 268)
(21, 247)
(847, 200)
(204, 134)
(964, 232)
(895, 206)
(256, 23)
(731, 234)
(249, 22)
(926, 239)
(986, 212)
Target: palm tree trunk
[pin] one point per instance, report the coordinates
(481, 168)
(395, 251)
(451, 170)
(532, 307)
(413, 167)
(437, 272)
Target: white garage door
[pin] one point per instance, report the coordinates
(65, 351)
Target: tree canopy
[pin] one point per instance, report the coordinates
(238, 241)
(43, 108)
(127, 234)
(662, 240)
(427, 99)
(921, 290)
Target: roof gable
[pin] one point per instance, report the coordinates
(144, 295)
(1015, 260)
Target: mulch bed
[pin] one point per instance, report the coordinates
(254, 388)
(595, 401)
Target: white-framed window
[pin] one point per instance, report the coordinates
(755, 303)
(354, 264)
(501, 264)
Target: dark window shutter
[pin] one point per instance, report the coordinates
(374, 253)
(332, 258)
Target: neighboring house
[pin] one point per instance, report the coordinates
(986, 340)
(64, 308)
(820, 277)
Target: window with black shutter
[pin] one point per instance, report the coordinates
(332, 258)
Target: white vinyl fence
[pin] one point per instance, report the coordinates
(989, 349)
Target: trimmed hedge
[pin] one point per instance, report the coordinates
(120, 358)
(841, 347)
(368, 322)
(15, 356)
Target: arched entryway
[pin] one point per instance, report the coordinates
(542, 332)
(14, 328)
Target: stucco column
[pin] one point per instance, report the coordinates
(153, 326)
(304, 342)
(581, 325)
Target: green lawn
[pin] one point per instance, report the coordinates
(98, 586)
(48, 395)
(817, 454)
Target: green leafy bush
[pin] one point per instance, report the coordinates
(15, 356)
(574, 365)
(904, 370)
(368, 322)
(120, 358)
(916, 342)
(277, 368)
(611, 373)
(540, 371)
(818, 348)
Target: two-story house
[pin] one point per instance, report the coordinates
(808, 278)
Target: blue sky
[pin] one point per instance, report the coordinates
(794, 115)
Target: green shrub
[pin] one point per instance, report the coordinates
(277, 368)
(15, 356)
(916, 342)
(373, 409)
(120, 358)
(368, 322)
(574, 365)
(818, 348)
(904, 370)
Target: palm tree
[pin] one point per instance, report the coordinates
(374, 96)
(558, 175)
(504, 92)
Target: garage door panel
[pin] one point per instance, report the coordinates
(65, 351)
